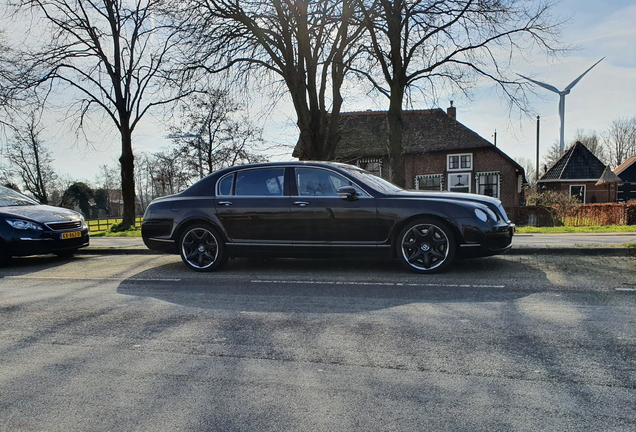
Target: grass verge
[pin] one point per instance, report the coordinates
(129, 233)
(520, 230)
(573, 229)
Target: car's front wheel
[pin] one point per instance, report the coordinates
(202, 248)
(427, 246)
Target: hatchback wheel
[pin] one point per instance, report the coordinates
(427, 246)
(202, 249)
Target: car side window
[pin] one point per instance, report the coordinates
(260, 182)
(225, 185)
(319, 182)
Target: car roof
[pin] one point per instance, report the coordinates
(195, 188)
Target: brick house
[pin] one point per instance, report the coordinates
(627, 173)
(577, 173)
(439, 154)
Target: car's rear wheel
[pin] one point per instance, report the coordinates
(202, 248)
(427, 246)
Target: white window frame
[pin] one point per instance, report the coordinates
(429, 176)
(459, 155)
(364, 161)
(478, 177)
(465, 174)
(584, 191)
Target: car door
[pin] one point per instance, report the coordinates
(253, 207)
(319, 216)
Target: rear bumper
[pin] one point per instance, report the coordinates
(160, 245)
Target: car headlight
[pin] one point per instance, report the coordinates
(24, 225)
(484, 214)
(481, 215)
(503, 212)
(491, 213)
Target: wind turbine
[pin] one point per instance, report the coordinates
(562, 95)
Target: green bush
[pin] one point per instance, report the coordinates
(118, 227)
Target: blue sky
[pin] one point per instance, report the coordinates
(598, 28)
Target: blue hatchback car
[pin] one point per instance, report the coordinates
(30, 228)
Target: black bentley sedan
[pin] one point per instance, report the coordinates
(30, 228)
(304, 209)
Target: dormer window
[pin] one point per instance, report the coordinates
(460, 162)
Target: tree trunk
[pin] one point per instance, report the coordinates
(127, 177)
(395, 150)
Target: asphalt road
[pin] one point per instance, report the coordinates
(138, 343)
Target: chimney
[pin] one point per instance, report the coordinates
(452, 111)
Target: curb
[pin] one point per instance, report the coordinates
(605, 251)
(117, 251)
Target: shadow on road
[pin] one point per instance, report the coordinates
(327, 285)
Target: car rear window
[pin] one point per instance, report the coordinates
(260, 182)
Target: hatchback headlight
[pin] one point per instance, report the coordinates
(24, 225)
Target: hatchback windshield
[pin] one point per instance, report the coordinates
(9, 197)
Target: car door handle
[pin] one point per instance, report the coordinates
(225, 203)
(301, 203)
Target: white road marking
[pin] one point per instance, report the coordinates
(625, 289)
(299, 282)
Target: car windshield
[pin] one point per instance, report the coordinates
(375, 182)
(9, 197)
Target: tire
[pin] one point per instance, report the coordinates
(427, 246)
(202, 249)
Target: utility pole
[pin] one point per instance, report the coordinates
(536, 174)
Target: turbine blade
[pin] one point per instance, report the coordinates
(573, 83)
(544, 85)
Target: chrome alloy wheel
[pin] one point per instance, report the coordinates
(425, 247)
(201, 249)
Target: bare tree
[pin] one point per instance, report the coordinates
(620, 140)
(551, 157)
(107, 189)
(593, 143)
(530, 169)
(210, 137)
(115, 55)
(31, 161)
(7, 77)
(308, 44)
(432, 46)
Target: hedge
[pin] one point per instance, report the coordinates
(582, 215)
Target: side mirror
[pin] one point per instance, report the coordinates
(347, 192)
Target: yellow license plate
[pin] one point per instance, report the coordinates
(70, 235)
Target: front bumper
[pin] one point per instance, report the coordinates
(480, 241)
(24, 243)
